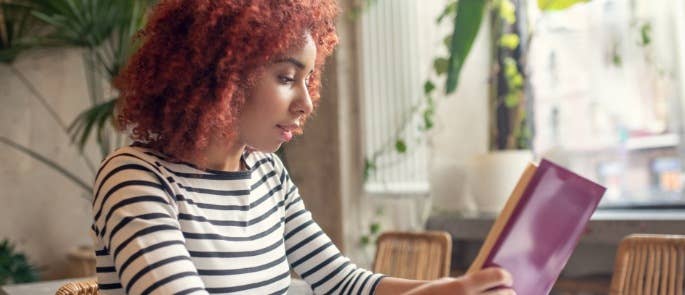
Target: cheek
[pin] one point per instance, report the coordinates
(266, 92)
(274, 101)
(268, 103)
(258, 117)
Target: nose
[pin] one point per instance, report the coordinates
(303, 104)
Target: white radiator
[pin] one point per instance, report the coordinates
(392, 77)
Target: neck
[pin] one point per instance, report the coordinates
(224, 156)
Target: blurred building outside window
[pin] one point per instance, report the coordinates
(608, 96)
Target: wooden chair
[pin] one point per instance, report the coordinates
(649, 264)
(86, 287)
(414, 255)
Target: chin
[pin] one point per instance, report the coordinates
(267, 148)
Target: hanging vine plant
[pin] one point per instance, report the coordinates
(510, 124)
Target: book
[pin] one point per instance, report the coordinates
(539, 227)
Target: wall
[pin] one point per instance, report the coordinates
(461, 129)
(43, 213)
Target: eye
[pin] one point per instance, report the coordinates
(285, 80)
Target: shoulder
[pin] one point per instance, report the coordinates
(129, 158)
(131, 155)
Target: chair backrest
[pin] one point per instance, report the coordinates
(414, 255)
(86, 287)
(649, 264)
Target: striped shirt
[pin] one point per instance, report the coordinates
(167, 227)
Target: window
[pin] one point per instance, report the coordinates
(608, 92)
(394, 65)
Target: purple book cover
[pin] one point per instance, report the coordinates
(545, 228)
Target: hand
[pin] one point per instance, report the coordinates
(472, 284)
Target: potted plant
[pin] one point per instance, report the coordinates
(104, 31)
(14, 266)
(494, 174)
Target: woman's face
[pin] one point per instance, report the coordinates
(275, 106)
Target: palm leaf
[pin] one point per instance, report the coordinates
(83, 23)
(106, 29)
(466, 24)
(132, 18)
(48, 162)
(18, 29)
(94, 117)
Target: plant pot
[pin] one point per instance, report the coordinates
(81, 261)
(494, 175)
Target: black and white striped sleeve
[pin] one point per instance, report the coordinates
(312, 254)
(135, 217)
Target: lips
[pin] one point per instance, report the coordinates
(287, 131)
(289, 127)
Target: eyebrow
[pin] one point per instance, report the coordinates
(291, 60)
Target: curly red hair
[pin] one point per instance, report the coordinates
(188, 80)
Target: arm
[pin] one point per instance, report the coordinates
(136, 219)
(311, 253)
(390, 285)
(471, 284)
(313, 256)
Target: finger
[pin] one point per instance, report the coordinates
(491, 277)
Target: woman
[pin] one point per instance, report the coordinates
(199, 203)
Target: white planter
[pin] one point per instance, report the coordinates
(494, 175)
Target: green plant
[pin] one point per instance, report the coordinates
(510, 127)
(14, 267)
(369, 236)
(17, 29)
(104, 29)
(358, 7)
(374, 229)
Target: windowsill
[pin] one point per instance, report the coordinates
(639, 214)
(606, 226)
(605, 214)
